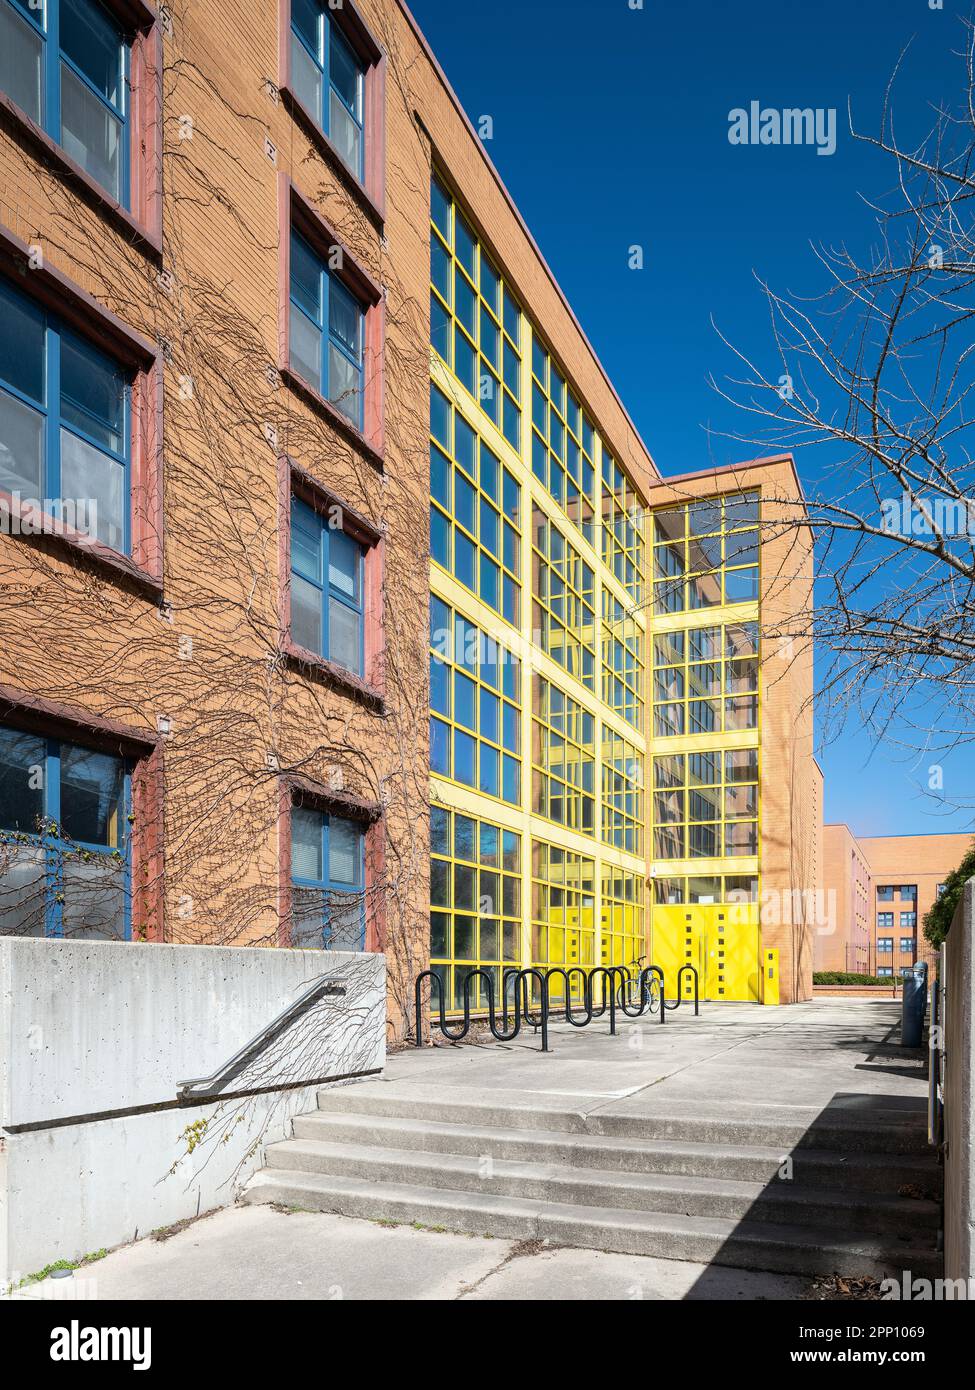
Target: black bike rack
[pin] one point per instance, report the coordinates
(685, 969)
(616, 980)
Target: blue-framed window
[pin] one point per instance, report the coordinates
(66, 65)
(327, 580)
(64, 422)
(327, 331)
(329, 80)
(328, 881)
(65, 864)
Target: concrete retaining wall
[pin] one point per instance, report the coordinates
(90, 1029)
(959, 1090)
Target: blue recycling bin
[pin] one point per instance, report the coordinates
(913, 1005)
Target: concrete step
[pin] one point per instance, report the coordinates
(790, 1128)
(821, 1169)
(745, 1244)
(781, 1202)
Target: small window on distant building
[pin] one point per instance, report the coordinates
(907, 945)
(909, 893)
(885, 894)
(885, 971)
(885, 920)
(908, 919)
(885, 945)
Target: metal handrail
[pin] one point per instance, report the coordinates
(213, 1084)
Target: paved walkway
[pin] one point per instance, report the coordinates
(257, 1253)
(734, 1058)
(788, 1064)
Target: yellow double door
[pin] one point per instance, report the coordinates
(720, 940)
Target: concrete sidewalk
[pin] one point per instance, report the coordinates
(258, 1253)
(733, 1059)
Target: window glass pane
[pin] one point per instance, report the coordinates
(345, 318)
(306, 349)
(21, 69)
(21, 447)
(306, 615)
(91, 796)
(344, 636)
(439, 830)
(306, 541)
(94, 898)
(22, 879)
(306, 844)
(345, 73)
(22, 329)
(741, 586)
(306, 17)
(90, 133)
(306, 278)
(344, 557)
(94, 45)
(465, 247)
(440, 747)
(96, 481)
(344, 134)
(306, 76)
(440, 538)
(92, 393)
(440, 209)
(439, 687)
(464, 757)
(344, 385)
(344, 851)
(21, 781)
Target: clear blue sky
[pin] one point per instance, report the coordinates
(611, 129)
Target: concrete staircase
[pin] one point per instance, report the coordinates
(862, 1199)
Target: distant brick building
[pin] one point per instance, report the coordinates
(883, 887)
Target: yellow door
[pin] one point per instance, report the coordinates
(720, 940)
(677, 939)
(734, 968)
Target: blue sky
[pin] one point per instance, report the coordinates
(611, 130)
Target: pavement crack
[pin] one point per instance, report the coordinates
(521, 1250)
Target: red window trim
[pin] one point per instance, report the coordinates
(304, 789)
(55, 719)
(142, 224)
(370, 192)
(55, 291)
(369, 689)
(295, 210)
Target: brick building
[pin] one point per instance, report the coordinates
(282, 369)
(883, 886)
